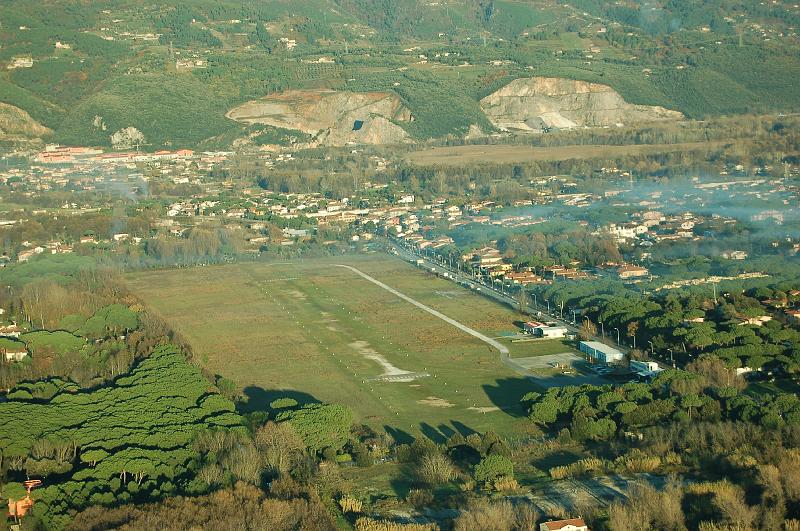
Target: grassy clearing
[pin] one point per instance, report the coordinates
(541, 347)
(312, 331)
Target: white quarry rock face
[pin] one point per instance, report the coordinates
(533, 104)
(333, 118)
(127, 138)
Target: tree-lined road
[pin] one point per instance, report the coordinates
(485, 289)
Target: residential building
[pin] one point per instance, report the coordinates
(524, 277)
(12, 350)
(794, 314)
(627, 272)
(10, 330)
(26, 255)
(573, 524)
(20, 62)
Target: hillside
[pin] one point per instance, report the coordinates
(173, 70)
(16, 122)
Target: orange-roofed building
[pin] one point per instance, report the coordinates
(573, 524)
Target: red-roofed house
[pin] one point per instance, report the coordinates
(631, 271)
(573, 524)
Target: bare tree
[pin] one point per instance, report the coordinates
(523, 301)
(279, 445)
(435, 468)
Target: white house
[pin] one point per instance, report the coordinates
(12, 350)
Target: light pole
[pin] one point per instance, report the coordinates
(602, 330)
(671, 359)
(617, 329)
(573, 316)
(651, 348)
(534, 298)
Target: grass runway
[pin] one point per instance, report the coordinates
(314, 331)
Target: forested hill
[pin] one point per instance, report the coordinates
(173, 69)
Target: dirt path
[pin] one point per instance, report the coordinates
(489, 341)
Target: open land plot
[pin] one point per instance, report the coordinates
(555, 363)
(315, 331)
(498, 154)
(565, 359)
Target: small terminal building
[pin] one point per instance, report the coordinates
(600, 352)
(646, 370)
(544, 330)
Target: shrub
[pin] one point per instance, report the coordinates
(559, 472)
(419, 498)
(370, 524)
(435, 469)
(583, 467)
(283, 403)
(492, 467)
(474, 440)
(505, 483)
(499, 448)
(329, 454)
(350, 504)
(637, 461)
(363, 459)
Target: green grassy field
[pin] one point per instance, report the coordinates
(311, 330)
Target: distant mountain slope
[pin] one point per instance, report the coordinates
(169, 110)
(173, 69)
(16, 122)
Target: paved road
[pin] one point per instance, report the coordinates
(504, 357)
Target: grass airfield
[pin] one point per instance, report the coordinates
(317, 332)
